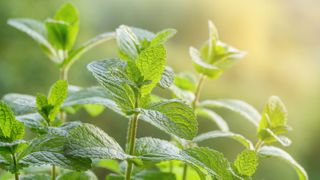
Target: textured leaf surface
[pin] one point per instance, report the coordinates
(271, 151)
(58, 93)
(34, 121)
(20, 103)
(91, 142)
(151, 64)
(167, 77)
(246, 163)
(173, 117)
(214, 117)
(237, 106)
(76, 175)
(222, 134)
(111, 75)
(128, 42)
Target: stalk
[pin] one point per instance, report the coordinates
(131, 139)
(16, 174)
(53, 172)
(258, 145)
(194, 106)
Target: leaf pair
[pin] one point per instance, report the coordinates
(214, 56)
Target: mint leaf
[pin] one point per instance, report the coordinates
(246, 163)
(268, 136)
(162, 36)
(128, 42)
(111, 75)
(12, 147)
(221, 134)
(58, 93)
(20, 103)
(271, 151)
(111, 165)
(172, 116)
(185, 81)
(91, 142)
(87, 175)
(237, 106)
(167, 78)
(35, 177)
(10, 128)
(35, 122)
(151, 175)
(151, 62)
(214, 117)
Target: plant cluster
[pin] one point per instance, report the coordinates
(68, 149)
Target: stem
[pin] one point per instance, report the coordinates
(53, 172)
(194, 106)
(131, 139)
(258, 145)
(16, 174)
(64, 73)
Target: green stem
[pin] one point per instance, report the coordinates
(194, 106)
(16, 174)
(53, 172)
(131, 139)
(258, 145)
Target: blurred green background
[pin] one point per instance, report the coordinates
(281, 38)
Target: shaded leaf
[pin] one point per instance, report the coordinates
(167, 78)
(20, 103)
(76, 175)
(214, 117)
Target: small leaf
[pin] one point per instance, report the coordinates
(151, 63)
(185, 81)
(167, 78)
(10, 128)
(128, 42)
(220, 134)
(58, 93)
(173, 117)
(214, 117)
(162, 36)
(246, 163)
(111, 165)
(271, 151)
(91, 142)
(20, 103)
(237, 106)
(76, 175)
(268, 136)
(111, 75)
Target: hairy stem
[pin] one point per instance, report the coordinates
(16, 174)
(194, 106)
(131, 139)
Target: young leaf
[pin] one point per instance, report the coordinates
(128, 42)
(58, 93)
(237, 106)
(111, 75)
(220, 134)
(162, 36)
(10, 128)
(167, 78)
(36, 30)
(185, 81)
(214, 117)
(271, 151)
(91, 142)
(58, 34)
(20, 103)
(172, 116)
(151, 63)
(246, 163)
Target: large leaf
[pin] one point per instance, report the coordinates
(172, 116)
(151, 64)
(201, 158)
(271, 151)
(91, 142)
(10, 128)
(34, 121)
(222, 134)
(246, 163)
(237, 106)
(214, 117)
(49, 149)
(20, 103)
(111, 75)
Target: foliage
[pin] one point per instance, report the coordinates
(127, 88)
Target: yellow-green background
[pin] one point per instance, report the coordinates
(281, 37)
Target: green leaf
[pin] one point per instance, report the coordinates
(49, 149)
(128, 42)
(94, 109)
(10, 128)
(172, 116)
(91, 142)
(221, 134)
(76, 175)
(246, 163)
(20, 103)
(58, 93)
(12, 147)
(36, 30)
(34, 121)
(201, 158)
(237, 106)
(163, 36)
(203, 67)
(167, 78)
(151, 175)
(213, 35)
(268, 136)
(151, 63)
(58, 34)
(77, 53)
(271, 151)
(111, 165)
(185, 81)
(111, 75)
(35, 177)
(91, 96)
(214, 117)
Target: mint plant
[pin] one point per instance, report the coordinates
(127, 82)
